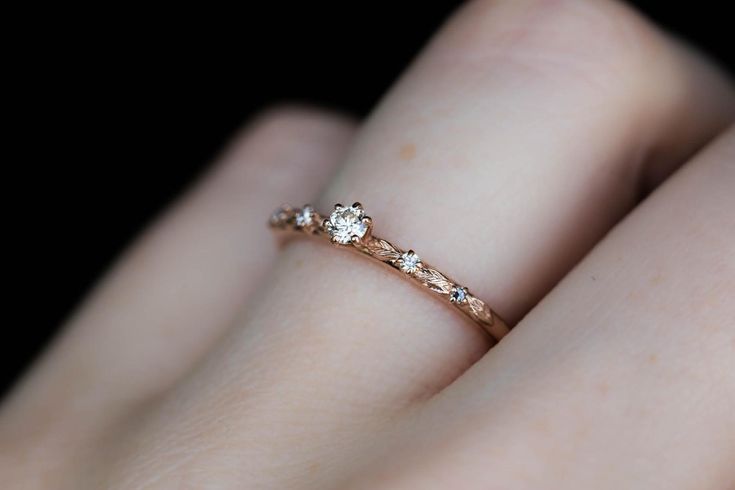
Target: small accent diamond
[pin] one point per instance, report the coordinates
(346, 222)
(279, 217)
(458, 294)
(409, 262)
(305, 217)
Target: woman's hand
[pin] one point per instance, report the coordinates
(505, 156)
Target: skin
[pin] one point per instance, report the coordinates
(514, 154)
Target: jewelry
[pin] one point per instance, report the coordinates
(349, 227)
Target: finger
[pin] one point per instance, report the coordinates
(522, 134)
(624, 377)
(171, 296)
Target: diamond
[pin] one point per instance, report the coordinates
(409, 262)
(305, 217)
(458, 294)
(346, 222)
(279, 216)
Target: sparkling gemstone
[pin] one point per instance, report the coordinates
(305, 217)
(409, 262)
(458, 294)
(346, 222)
(279, 216)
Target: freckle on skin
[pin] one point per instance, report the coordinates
(657, 279)
(652, 359)
(603, 387)
(407, 152)
(541, 426)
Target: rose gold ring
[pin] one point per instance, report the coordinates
(349, 227)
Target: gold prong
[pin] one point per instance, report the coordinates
(357, 205)
(356, 240)
(369, 223)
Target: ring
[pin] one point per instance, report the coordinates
(349, 227)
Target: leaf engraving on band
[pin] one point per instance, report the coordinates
(353, 224)
(383, 250)
(435, 280)
(480, 309)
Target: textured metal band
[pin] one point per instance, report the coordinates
(348, 226)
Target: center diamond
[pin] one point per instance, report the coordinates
(346, 222)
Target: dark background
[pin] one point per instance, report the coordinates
(113, 112)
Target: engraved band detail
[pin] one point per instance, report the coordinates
(348, 226)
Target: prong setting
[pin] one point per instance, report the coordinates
(305, 217)
(347, 225)
(458, 294)
(409, 262)
(281, 216)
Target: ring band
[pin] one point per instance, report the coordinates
(348, 226)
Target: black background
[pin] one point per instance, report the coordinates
(113, 112)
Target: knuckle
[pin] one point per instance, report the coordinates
(284, 137)
(591, 40)
(297, 123)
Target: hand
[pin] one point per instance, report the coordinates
(517, 142)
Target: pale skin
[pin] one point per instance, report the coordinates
(513, 154)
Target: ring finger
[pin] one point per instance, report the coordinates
(523, 133)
